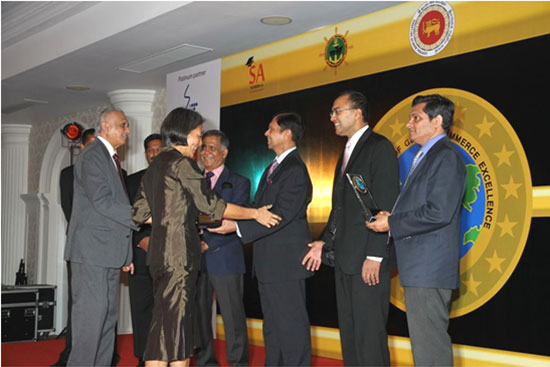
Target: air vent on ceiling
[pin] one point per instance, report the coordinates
(163, 58)
(27, 102)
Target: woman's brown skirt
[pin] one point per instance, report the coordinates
(171, 332)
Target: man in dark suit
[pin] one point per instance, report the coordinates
(66, 177)
(425, 226)
(362, 259)
(278, 251)
(98, 243)
(224, 261)
(140, 283)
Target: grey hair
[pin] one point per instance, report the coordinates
(103, 115)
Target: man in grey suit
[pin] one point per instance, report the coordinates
(98, 242)
(425, 227)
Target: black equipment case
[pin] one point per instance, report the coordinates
(28, 312)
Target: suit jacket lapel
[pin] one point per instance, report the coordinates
(223, 178)
(358, 148)
(263, 183)
(418, 169)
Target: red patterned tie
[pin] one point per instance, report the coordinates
(119, 168)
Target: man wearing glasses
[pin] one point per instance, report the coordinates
(362, 259)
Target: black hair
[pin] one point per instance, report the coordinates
(437, 105)
(86, 135)
(293, 122)
(150, 138)
(359, 101)
(224, 140)
(178, 124)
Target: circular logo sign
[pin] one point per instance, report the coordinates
(336, 49)
(431, 28)
(497, 203)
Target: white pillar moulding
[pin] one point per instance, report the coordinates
(137, 105)
(15, 163)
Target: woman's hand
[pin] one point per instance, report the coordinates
(267, 218)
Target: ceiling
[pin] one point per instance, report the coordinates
(47, 46)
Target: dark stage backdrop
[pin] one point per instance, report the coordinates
(514, 78)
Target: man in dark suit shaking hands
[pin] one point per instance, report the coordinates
(224, 260)
(278, 251)
(362, 259)
(425, 226)
(98, 243)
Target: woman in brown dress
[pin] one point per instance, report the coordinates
(172, 192)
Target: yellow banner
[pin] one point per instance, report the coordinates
(371, 44)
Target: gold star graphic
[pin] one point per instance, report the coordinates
(471, 284)
(495, 262)
(511, 188)
(396, 128)
(460, 111)
(485, 127)
(506, 226)
(504, 156)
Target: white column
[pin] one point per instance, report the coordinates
(15, 164)
(137, 105)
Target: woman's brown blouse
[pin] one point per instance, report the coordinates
(173, 190)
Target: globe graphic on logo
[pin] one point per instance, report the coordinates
(473, 202)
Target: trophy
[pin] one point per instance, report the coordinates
(363, 195)
(204, 221)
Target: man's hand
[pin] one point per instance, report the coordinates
(381, 223)
(128, 268)
(204, 247)
(267, 218)
(312, 260)
(371, 272)
(228, 226)
(144, 243)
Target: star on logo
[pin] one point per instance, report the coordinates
(485, 127)
(506, 226)
(396, 128)
(495, 262)
(471, 284)
(511, 188)
(504, 156)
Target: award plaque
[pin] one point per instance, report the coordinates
(204, 221)
(363, 195)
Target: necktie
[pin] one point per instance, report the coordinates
(347, 153)
(413, 165)
(119, 168)
(415, 160)
(271, 170)
(208, 178)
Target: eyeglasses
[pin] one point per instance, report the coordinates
(338, 111)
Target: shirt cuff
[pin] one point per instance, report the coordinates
(375, 258)
(238, 231)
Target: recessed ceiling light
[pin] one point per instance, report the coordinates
(77, 88)
(276, 20)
